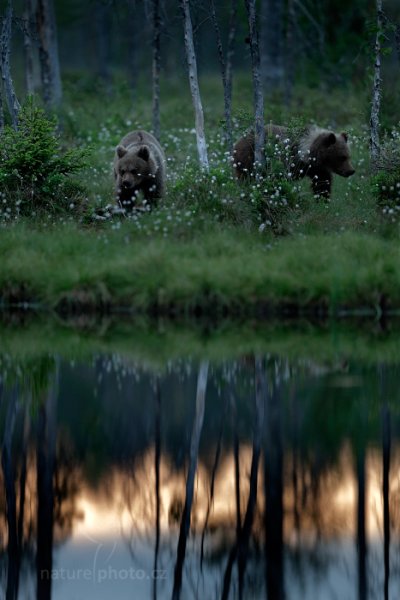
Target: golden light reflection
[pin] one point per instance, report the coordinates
(124, 499)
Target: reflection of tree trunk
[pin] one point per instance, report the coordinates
(13, 550)
(273, 482)
(157, 459)
(241, 549)
(45, 463)
(194, 450)
(214, 471)
(237, 465)
(22, 483)
(385, 491)
(361, 533)
(295, 466)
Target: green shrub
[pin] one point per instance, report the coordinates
(34, 167)
(385, 183)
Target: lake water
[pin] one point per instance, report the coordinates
(258, 476)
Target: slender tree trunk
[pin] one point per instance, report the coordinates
(290, 54)
(102, 18)
(377, 89)
(11, 98)
(272, 43)
(132, 46)
(194, 84)
(397, 40)
(48, 53)
(156, 67)
(227, 85)
(30, 47)
(229, 71)
(193, 456)
(259, 132)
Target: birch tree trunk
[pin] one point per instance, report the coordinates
(194, 84)
(30, 48)
(272, 43)
(156, 67)
(377, 90)
(48, 53)
(259, 132)
(11, 98)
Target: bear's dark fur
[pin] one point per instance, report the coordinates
(316, 153)
(139, 166)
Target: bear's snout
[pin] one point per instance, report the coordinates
(127, 184)
(350, 172)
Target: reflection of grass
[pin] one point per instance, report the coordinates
(217, 272)
(155, 343)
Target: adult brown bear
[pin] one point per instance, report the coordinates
(139, 166)
(315, 153)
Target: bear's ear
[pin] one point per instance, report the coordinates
(329, 139)
(144, 153)
(121, 151)
(345, 135)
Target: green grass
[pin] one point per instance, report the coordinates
(216, 270)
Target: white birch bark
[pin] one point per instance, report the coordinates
(376, 90)
(11, 98)
(259, 132)
(48, 53)
(156, 68)
(194, 85)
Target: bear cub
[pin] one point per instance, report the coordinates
(316, 153)
(139, 166)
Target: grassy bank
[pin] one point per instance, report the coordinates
(216, 271)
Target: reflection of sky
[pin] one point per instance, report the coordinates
(111, 551)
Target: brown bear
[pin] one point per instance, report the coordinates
(315, 153)
(139, 166)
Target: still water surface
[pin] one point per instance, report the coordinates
(259, 477)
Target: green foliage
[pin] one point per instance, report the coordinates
(385, 184)
(34, 167)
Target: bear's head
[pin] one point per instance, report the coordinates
(331, 151)
(132, 168)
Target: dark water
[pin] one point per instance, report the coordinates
(261, 477)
